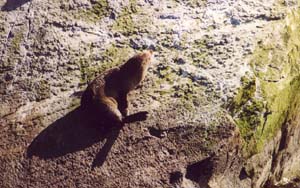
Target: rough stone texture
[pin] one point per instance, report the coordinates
(51, 50)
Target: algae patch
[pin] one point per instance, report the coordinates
(131, 20)
(276, 78)
(99, 9)
(124, 23)
(110, 57)
(17, 41)
(193, 3)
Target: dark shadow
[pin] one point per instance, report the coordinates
(102, 154)
(200, 172)
(176, 177)
(13, 4)
(76, 131)
(243, 174)
(73, 132)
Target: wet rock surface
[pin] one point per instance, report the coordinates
(202, 50)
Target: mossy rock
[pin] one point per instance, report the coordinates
(99, 10)
(276, 70)
(111, 57)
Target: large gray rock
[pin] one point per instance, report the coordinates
(203, 50)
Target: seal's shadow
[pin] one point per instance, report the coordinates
(13, 4)
(74, 132)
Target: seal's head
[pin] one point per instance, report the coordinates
(135, 69)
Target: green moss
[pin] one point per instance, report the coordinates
(281, 94)
(12, 51)
(170, 84)
(114, 56)
(124, 22)
(279, 104)
(198, 54)
(84, 76)
(111, 57)
(245, 94)
(16, 41)
(193, 3)
(100, 9)
(42, 90)
(247, 110)
(132, 20)
(276, 69)
(166, 72)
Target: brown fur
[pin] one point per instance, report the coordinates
(108, 92)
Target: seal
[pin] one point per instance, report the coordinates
(108, 93)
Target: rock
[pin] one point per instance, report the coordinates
(234, 21)
(172, 17)
(180, 61)
(204, 93)
(8, 77)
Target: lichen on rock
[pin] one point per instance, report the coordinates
(268, 102)
(276, 72)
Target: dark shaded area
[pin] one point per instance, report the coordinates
(13, 4)
(200, 172)
(102, 154)
(284, 135)
(269, 18)
(73, 132)
(243, 174)
(176, 177)
(155, 132)
(112, 137)
(76, 131)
